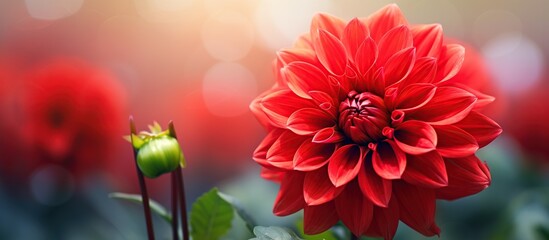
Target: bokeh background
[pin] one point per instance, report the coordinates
(72, 71)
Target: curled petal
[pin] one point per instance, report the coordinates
(450, 61)
(427, 39)
(280, 104)
(318, 189)
(260, 153)
(324, 101)
(353, 35)
(328, 23)
(281, 153)
(415, 137)
(311, 156)
(330, 52)
(399, 65)
(308, 121)
(388, 160)
(449, 105)
(417, 208)
(328, 135)
(290, 196)
(482, 128)
(375, 188)
(354, 209)
(344, 164)
(394, 41)
(466, 176)
(426, 170)
(319, 218)
(366, 56)
(386, 221)
(414, 96)
(384, 20)
(455, 142)
(304, 77)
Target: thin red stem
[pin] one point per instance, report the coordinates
(175, 225)
(183, 204)
(143, 188)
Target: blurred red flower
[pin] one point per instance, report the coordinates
(365, 126)
(73, 115)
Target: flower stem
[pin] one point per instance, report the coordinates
(353, 237)
(175, 224)
(143, 188)
(180, 188)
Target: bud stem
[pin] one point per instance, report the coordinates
(143, 188)
(178, 190)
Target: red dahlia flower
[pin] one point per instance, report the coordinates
(365, 128)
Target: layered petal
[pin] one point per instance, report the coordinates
(417, 208)
(394, 41)
(424, 71)
(399, 65)
(366, 56)
(328, 135)
(318, 189)
(427, 39)
(279, 104)
(415, 137)
(449, 62)
(319, 218)
(354, 35)
(384, 20)
(388, 160)
(311, 156)
(281, 153)
(374, 187)
(455, 142)
(308, 121)
(260, 153)
(414, 96)
(330, 52)
(328, 23)
(344, 164)
(482, 128)
(466, 176)
(290, 196)
(448, 105)
(354, 210)
(426, 170)
(304, 77)
(386, 221)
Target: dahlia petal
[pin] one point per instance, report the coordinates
(424, 71)
(384, 20)
(303, 77)
(449, 105)
(417, 208)
(375, 188)
(325, 102)
(330, 52)
(414, 96)
(354, 209)
(281, 153)
(386, 221)
(466, 176)
(344, 164)
(308, 121)
(354, 35)
(427, 39)
(450, 61)
(374, 83)
(399, 66)
(260, 153)
(317, 219)
(455, 142)
(426, 170)
(415, 137)
(279, 104)
(366, 56)
(288, 56)
(290, 196)
(272, 174)
(256, 109)
(311, 156)
(304, 41)
(394, 41)
(388, 160)
(328, 135)
(482, 99)
(328, 23)
(318, 189)
(482, 128)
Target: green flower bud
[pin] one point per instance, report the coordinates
(159, 155)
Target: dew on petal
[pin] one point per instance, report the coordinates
(515, 61)
(228, 88)
(228, 35)
(52, 10)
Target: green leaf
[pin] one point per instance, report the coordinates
(155, 206)
(237, 205)
(211, 216)
(327, 235)
(274, 233)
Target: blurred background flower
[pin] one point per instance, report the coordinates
(200, 63)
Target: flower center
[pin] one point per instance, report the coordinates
(362, 117)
